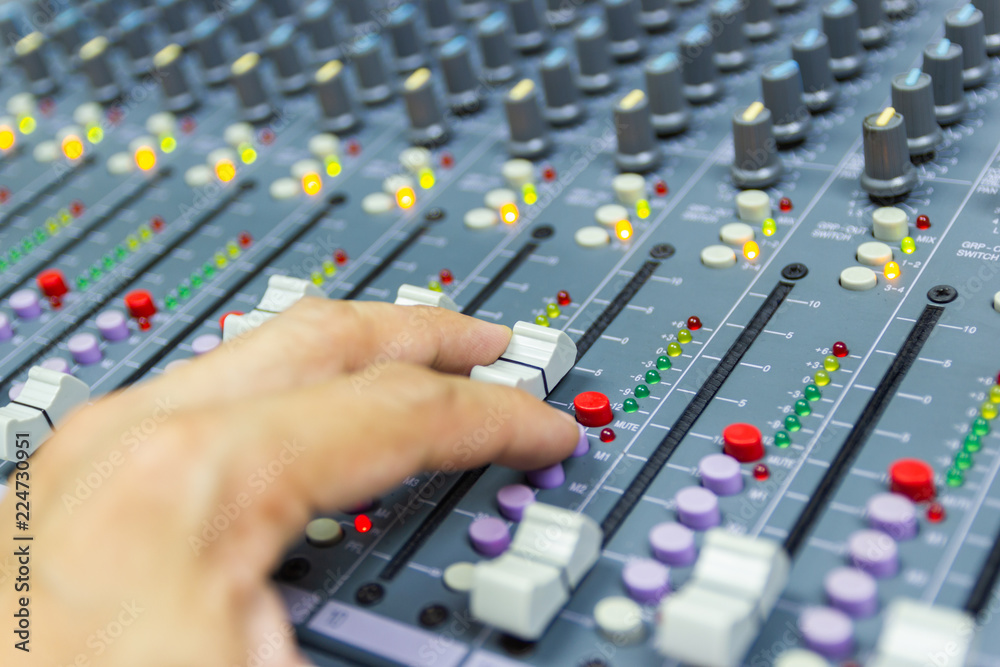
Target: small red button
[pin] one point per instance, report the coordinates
(222, 320)
(912, 478)
(743, 442)
(52, 283)
(592, 408)
(140, 303)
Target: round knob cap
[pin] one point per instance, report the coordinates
(440, 21)
(559, 13)
(912, 478)
(406, 42)
(591, 42)
(494, 45)
(427, 125)
(137, 41)
(28, 52)
(943, 61)
(811, 51)
(247, 79)
(243, 20)
(94, 62)
(140, 304)
(529, 33)
(781, 85)
(318, 23)
(623, 29)
(283, 52)
(964, 26)
(756, 163)
(357, 11)
(700, 73)
(991, 23)
(528, 135)
(473, 10)
(112, 325)
(25, 304)
(68, 27)
(873, 31)
(562, 106)
(637, 149)
(459, 77)
(761, 23)
(173, 16)
(731, 51)
(655, 15)
(669, 111)
(177, 95)
(889, 175)
(206, 38)
(85, 348)
(373, 82)
(743, 442)
(52, 283)
(593, 409)
(841, 25)
(913, 96)
(331, 91)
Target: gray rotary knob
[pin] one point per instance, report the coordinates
(874, 30)
(206, 40)
(282, 10)
(440, 20)
(473, 10)
(249, 82)
(889, 175)
(700, 74)
(67, 27)
(669, 112)
(964, 26)
(339, 115)
(245, 23)
(104, 13)
(591, 43)
(560, 13)
(755, 153)
(29, 53)
(373, 82)
(760, 20)
(841, 25)
(637, 149)
(562, 104)
(899, 9)
(406, 43)
(459, 77)
(283, 52)
(137, 41)
(494, 46)
(785, 6)
(991, 24)
(357, 12)
(655, 15)
(317, 23)
(811, 50)
(943, 61)
(913, 96)
(731, 48)
(528, 135)
(177, 94)
(530, 35)
(623, 29)
(427, 124)
(781, 85)
(95, 61)
(173, 18)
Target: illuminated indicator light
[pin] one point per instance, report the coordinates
(623, 230)
(196, 280)
(607, 435)
(108, 261)
(785, 204)
(353, 147)
(329, 268)
(7, 137)
(434, 286)
(95, 272)
(663, 363)
(972, 443)
(821, 378)
(529, 194)
(792, 423)
(95, 134)
(509, 213)
(630, 405)
(64, 216)
(908, 245)
(115, 115)
(208, 270)
(751, 250)
(760, 472)
(954, 477)
(144, 323)
(72, 147)
(333, 167)
(27, 245)
(674, 350)
(46, 106)
(552, 310)
(266, 136)
(963, 460)
(183, 292)
(641, 391)
(548, 174)
(891, 270)
(225, 170)
(935, 513)
(145, 233)
(76, 208)
(244, 239)
(923, 222)
(316, 277)
(684, 336)
(426, 178)
(340, 257)
(661, 188)
(562, 298)
(40, 235)
(694, 323)
(120, 252)
(988, 410)
(782, 439)
(840, 349)
(27, 125)
(995, 393)
(405, 197)
(188, 124)
(830, 363)
(312, 184)
(802, 408)
(220, 260)
(446, 276)
(769, 227)
(4, 195)
(170, 302)
(82, 282)
(642, 209)
(813, 393)
(248, 155)
(232, 250)
(542, 321)
(447, 160)
(52, 226)
(168, 144)
(362, 523)
(980, 426)
(132, 243)
(652, 376)
(884, 117)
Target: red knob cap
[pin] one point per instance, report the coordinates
(52, 283)
(140, 304)
(743, 442)
(912, 478)
(222, 320)
(593, 408)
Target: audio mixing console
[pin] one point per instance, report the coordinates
(753, 245)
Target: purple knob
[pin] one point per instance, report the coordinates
(852, 591)
(646, 580)
(513, 499)
(721, 474)
(15, 390)
(489, 536)
(583, 444)
(547, 478)
(85, 348)
(893, 514)
(672, 544)
(57, 364)
(113, 325)
(827, 631)
(205, 343)
(6, 332)
(874, 552)
(698, 508)
(25, 304)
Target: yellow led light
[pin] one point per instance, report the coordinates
(27, 125)
(132, 243)
(248, 154)
(95, 134)
(167, 143)
(623, 230)
(72, 147)
(145, 233)
(64, 216)
(145, 158)
(509, 213)
(891, 270)
(751, 250)
(317, 278)
(311, 183)
(7, 137)
(233, 250)
(642, 209)
(329, 268)
(529, 194)
(51, 226)
(220, 260)
(225, 170)
(426, 178)
(405, 197)
(333, 167)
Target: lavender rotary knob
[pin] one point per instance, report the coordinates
(113, 325)
(646, 580)
(852, 591)
(672, 544)
(720, 474)
(547, 478)
(827, 631)
(513, 499)
(893, 514)
(489, 536)
(85, 348)
(583, 444)
(25, 304)
(15, 390)
(6, 332)
(698, 508)
(205, 343)
(874, 552)
(57, 364)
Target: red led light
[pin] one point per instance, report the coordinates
(4, 195)
(55, 302)
(362, 523)
(77, 208)
(661, 188)
(115, 115)
(935, 513)
(607, 435)
(447, 160)
(353, 147)
(694, 323)
(188, 124)
(144, 323)
(266, 136)
(562, 297)
(760, 472)
(46, 106)
(923, 222)
(785, 204)
(340, 256)
(157, 223)
(549, 173)
(222, 320)
(245, 240)
(446, 277)
(840, 349)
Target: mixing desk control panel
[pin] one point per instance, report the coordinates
(752, 245)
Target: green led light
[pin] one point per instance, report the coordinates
(196, 280)
(663, 363)
(684, 336)
(208, 271)
(674, 350)
(908, 245)
(14, 255)
(630, 405)
(170, 302)
(769, 227)
(802, 408)
(95, 272)
(552, 310)
(542, 321)
(40, 235)
(821, 378)
(3, 265)
(830, 363)
(436, 286)
(27, 245)
(813, 393)
(980, 426)
(652, 377)
(792, 423)
(183, 292)
(782, 439)
(108, 261)
(82, 282)
(972, 443)
(954, 477)
(641, 391)
(963, 460)
(120, 252)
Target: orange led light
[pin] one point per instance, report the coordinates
(145, 158)
(891, 270)
(751, 250)
(509, 213)
(7, 137)
(311, 183)
(225, 170)
(623, 230)
(405, 197)
(72, 147)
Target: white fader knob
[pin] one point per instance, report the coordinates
(536, 359)
(912, 631)
(410, 295)
(46, 399)
(281, 294)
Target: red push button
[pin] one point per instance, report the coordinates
(743, 442)
(592, 408)
(222, 320)
(52, 283)
(912, 478)
(140, 304)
